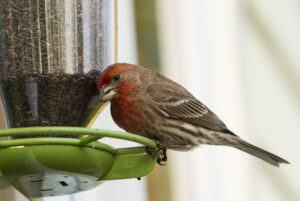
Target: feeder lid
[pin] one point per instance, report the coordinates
(40, 167)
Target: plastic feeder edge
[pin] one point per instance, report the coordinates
(40, 167)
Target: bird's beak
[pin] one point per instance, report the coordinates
(107, 93)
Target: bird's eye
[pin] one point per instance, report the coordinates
(116, 78)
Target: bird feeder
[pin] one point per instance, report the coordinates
(40, 167)
(51, 52)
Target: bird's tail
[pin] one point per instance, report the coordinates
(259, 153)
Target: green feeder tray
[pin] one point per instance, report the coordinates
(41, 167)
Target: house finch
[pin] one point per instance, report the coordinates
(148, 104)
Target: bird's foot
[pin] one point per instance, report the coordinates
(160, 152)
(162, 157)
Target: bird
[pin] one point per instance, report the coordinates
(146, 103)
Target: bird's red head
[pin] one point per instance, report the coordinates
(113, 81)
(112, 72)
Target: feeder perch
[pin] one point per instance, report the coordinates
(41, 167)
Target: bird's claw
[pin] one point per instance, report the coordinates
(160, 152)
(162, 157)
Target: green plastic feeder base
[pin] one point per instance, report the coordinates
(40, 167)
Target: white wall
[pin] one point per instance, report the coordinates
(212, 49)
(271, 35)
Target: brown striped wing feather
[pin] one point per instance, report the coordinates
(175, 102)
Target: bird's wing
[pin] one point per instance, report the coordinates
(173, 101)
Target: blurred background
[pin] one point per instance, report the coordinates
(239, 57)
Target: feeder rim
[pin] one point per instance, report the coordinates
(88, 138)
